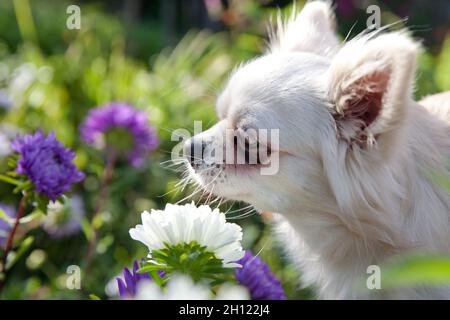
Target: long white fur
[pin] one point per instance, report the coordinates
(341, 206)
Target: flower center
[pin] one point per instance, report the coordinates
(189, 258)
(57, 159)
(120, 139)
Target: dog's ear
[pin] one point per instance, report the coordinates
(370, 82)
(311, 30)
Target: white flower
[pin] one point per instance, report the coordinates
(181, 287)
(7, 134)
(232, 292)
(186, 223)
(111, 287)
(5, 146)
(148, 291)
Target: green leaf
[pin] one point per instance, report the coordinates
(150, 268)
(160, 254)
(13, 257)
(97, 222)
(9, 180)
(23, 186)
(87, 229)
(12, 162)
(188, 258)
(157, 278)
(94, 297)
(415, 270)
(34, 215)
(41, 202)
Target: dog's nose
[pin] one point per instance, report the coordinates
(193, 151)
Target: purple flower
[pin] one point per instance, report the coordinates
(256, 276)
(46, 163)
(5, 226)
(120, 127)
(345, 8)
(127, 285)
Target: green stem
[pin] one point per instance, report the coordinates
(25, 20)
(101, 201)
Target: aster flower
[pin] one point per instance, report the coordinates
(120, 127)
(5, 225)
(182, 287)
(232, 292)
(345, 8)
(64, 218)
(191, 228)
(46, 163)
(179, 287)
(127, 286)
(256, 276)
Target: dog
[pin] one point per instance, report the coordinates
(355, 152)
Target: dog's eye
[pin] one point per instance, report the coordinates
(245, 143)
(249, 136)
(251, 147)
(251, 143)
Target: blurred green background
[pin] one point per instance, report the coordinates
(169, 58)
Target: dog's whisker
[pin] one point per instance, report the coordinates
(197, 190)
(216, 200)
(240, 209)
(243, 215)
(350, 31)
(262, 248)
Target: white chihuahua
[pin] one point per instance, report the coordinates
(355, 152)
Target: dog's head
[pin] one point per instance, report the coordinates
(316, 109)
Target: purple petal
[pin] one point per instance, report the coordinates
(259, 280)
(120, 115)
